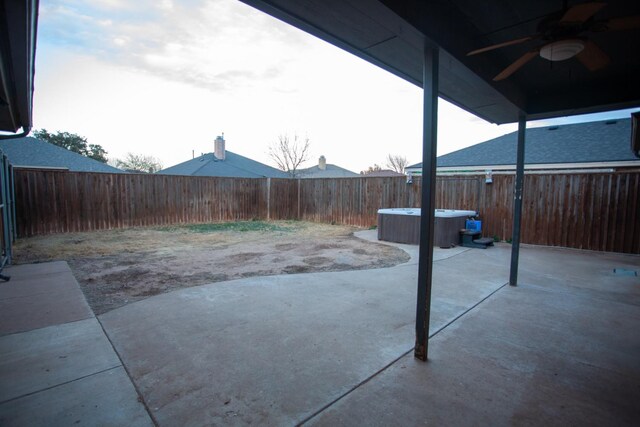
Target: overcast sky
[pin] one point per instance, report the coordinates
(164, 78)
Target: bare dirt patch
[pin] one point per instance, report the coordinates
(118, 267)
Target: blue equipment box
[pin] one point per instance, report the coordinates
(473, 224)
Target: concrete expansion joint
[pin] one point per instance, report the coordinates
(354, 388)
(19, 297)
(60, 384)
(459, 316)
(47, 326)
(394, 361)
(141, 398)
(452, 255)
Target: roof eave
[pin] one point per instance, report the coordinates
(18, 29)
(576, 165)
(401, 55)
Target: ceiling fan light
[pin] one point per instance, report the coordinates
(562, 49)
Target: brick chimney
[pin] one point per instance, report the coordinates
(219, 150)
(322, 163)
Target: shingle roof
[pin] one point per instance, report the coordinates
(34, 152)
(331, 171)
(233, 166)
(602, 141)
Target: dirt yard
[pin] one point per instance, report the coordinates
(118, 267)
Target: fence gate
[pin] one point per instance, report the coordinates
(7, 212)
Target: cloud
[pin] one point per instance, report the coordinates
(189, 41)
(111, 4)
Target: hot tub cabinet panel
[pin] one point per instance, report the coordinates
(402, 225)
(446, 230)
(399, 228)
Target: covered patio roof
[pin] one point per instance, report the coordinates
(392, 34)
(503, 61)
(18, 23)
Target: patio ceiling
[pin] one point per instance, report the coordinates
(18, 22)
(392, 33)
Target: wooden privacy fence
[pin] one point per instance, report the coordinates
(58, 202)
(597, 211)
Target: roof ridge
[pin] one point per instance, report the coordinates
(245, 170)
(255, 161)
(233, 165)
(201, 166)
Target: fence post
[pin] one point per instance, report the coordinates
(299, 200)
(268, 199)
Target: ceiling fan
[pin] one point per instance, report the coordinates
(563, 34)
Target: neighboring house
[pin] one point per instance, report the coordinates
(382, 173)
(33, 153)
(324, 170)
(602, 145)
(224, 163)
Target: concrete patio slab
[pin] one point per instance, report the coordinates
(274, 350)
(57, 366)
(40, 295)
(104, 399)
(528, 355)
(329, 348)
(336, 349)
(47, 357)
(583, 273)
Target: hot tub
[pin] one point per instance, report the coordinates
(402, 225)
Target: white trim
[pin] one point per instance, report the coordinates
(546, 166)
(552, 166)
(529, 172)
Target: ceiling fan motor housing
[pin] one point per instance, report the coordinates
(562, 49)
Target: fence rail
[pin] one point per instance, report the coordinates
(597, 211)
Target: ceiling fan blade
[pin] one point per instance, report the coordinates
(624, 23)
(593, 57)
(516, 65)
(499, 45)
(582, 12)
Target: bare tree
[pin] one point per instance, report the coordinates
(290, 153)
(139, 163)
(397, 162)
(375, 168)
